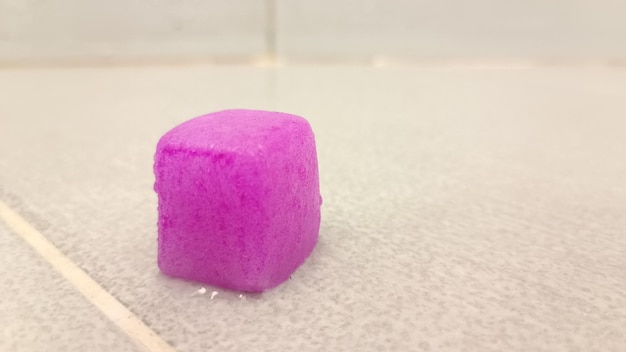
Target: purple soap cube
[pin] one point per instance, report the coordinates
(239, 199)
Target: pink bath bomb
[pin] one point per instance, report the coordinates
(239, 199)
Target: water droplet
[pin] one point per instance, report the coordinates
(200, 291)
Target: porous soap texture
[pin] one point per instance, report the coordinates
(239, 199)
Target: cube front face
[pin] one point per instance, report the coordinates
(239, 202)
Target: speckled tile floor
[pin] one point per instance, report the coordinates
(464, 210)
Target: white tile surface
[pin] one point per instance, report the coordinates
(476, 210)
(40, 311)
(452, 29)
(35, 30)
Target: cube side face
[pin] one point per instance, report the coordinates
(294, 199)
(210, 218)
(242, 219)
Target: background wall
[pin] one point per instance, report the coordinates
(118, 30)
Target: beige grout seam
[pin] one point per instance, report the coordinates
(104, 301)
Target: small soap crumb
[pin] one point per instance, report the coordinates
(213, 294)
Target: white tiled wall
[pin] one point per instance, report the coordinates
(424, 29)
(62, 29)
(452, 28)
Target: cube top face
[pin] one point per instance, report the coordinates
(235, 131)
(239, 202)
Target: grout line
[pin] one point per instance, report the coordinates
(104, 301)
(270, 29)
(271, 59)
(147, 62)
